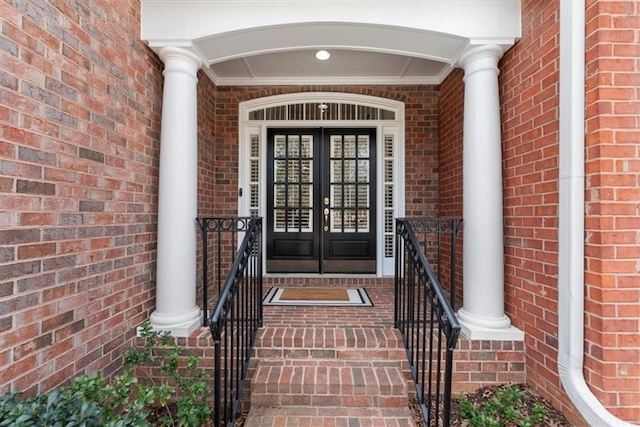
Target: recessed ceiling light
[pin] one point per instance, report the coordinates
(323, 55)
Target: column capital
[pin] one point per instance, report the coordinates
(180, 59)
(481, 57)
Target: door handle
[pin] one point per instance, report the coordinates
(326, 218)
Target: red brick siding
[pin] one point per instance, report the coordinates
(420, 139)
(80, 100)
(529, 95)
(529, 75)
(451, 121)
(206, 139)
(612, 220)
(450, 126)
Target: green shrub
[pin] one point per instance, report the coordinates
(179, 398)
(505, 408)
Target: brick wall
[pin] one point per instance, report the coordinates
(420, 139)
(612, 194)
(529, 96)
(206, 139)
(450, 126)
(529, 75)
(80, 100)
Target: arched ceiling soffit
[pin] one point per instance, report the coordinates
(373, 42)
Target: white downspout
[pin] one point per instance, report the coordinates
(571, 217)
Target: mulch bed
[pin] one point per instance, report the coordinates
(485, 394)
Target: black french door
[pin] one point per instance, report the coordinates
(321, 192)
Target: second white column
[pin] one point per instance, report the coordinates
(482, 315)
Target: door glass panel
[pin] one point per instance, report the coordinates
(349, 199)
(293, 183)
(363, 170)
(336, 221)
(336, 171)
(280, 147)
(279, 219)
(336, 147)
(349, 220)
(293, 171)
(363, 146)
(279, 196)
(363, 196)
(306, 174)
(306, 146)
(336, 196)
(349, 187)
(363, 221)
(349, 171)
(294, 146)
(279, 171)
(349, 146)
(294, 197)
(298, 220)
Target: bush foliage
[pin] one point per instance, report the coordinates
(505, 408)
(178, 398)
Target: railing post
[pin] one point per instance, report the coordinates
(217, 374)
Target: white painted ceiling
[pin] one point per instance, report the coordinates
(360, 54)
(346, 66)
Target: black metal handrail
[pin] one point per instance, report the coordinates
(434, 235)
(428, 325)
(219, 237)
(234, 323)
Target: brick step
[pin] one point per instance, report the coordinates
(329, 416)
(354, 343)
(329, 383)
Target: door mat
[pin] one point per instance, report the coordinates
(344, 297)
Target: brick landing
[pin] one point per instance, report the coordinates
(340, 366)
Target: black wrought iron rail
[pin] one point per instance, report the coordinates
(219, 238)
(428, 325)
(438, 238)
(234, 323)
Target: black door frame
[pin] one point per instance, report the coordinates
(311, 252)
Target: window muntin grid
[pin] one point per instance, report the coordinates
(310, 111)
(349, 184)
(293, 186)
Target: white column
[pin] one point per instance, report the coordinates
(176, 309)
(482, 315)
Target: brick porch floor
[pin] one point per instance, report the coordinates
(345, 366)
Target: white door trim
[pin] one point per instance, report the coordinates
(392, 128)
